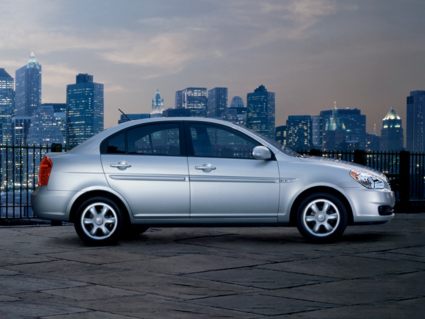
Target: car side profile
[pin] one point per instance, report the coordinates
(201, 172)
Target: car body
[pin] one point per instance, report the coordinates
(199, 171)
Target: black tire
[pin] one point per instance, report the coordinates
(99, 221)
(322, 217)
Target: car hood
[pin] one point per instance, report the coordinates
(342, 165)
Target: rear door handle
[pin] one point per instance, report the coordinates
(122, 165)
(205, 167)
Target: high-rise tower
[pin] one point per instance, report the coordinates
(415, 127)
(28, 87)
(261, 111)
(7, 98)
(84, 116)
(392, 132)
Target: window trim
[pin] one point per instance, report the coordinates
(178, 124)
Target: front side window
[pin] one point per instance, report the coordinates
(218, 141)
(161, 139)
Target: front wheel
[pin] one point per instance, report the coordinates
(322, 217)
(99, 221)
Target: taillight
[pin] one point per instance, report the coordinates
(46, 165)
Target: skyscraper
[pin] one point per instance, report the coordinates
(194, 99)
(28, 87)
(391, 132)
(7, 99)
(261, 111)
(237, 102)
(416, 121)
(157, 102)
(281, 135)
(44, 129)
(299, 132)
(217, 102)
(343, 129)
(84, 117)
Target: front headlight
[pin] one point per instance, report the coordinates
(368, 180)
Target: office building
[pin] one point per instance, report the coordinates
(281, 134)
(415, 124)
(194, 99)
(176, 112)
(7, 99)
(299, 132)
(261, 111)
(237, 101)
(44, 128)
(217, 102)
(236, 115)
(28, 88)
(84, 117)
(391, 132)
(343, 129)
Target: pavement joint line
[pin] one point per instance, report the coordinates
(220, 269)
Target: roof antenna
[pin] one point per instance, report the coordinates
(125, 115)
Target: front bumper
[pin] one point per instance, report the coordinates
(50, 205)
(371, 206)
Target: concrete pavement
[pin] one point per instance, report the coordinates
(374, 272)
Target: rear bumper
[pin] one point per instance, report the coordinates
(50, 205)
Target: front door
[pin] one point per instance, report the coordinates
(226, 182)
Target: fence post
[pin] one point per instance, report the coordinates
(56, 148)
(360, 157)
(404, 174)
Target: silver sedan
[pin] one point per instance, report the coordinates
(198, 171)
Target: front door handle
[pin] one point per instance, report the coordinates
(205, 167)
(122, 165)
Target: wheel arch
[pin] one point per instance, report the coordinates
(319, 189)
(84, 195)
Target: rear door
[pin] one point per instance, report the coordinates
(147, 166)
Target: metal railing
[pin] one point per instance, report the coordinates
(19, 170)
(18, 178)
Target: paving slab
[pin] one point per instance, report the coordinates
(373, 272)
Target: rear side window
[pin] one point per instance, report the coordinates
(153, 139)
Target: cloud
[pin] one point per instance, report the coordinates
(58, 75)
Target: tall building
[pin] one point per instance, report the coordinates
(316, 132)
(415, 128)
(7, 99)
(20, 128)
(44, 128)
(28, 87)
(237, 101)
(299, 132)
(391, 132)
(84, 116)
(179, 99)
(281, 135)
(236, 115)
(373, 142)
(157, 102)
(217, 102)
(194, 99)
(343, 129)
(261, 111)
(59, 113)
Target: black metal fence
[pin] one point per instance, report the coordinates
(19, 171)
(18, 178)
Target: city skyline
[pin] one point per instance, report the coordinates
(311, 53)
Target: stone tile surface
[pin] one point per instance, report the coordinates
(373, 272)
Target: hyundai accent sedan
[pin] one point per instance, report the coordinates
(202, 172)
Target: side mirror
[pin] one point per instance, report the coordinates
(261, 153)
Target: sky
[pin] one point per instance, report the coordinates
(361, 53)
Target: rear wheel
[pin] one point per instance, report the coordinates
(322, 217)
(99, 221)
